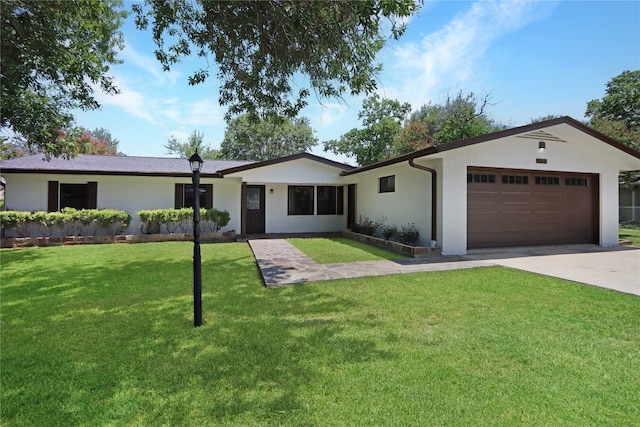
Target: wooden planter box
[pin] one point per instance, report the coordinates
(400, 248)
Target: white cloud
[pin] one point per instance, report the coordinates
(131, 101)
(148, 63)
(204, 113)
(452, 55)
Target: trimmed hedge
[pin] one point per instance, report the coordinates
(69, 222)
(181, 219)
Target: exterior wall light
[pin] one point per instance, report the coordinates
(541, 146)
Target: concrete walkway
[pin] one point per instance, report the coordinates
(282, 264)
(616, 268)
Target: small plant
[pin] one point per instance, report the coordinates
(366, 226)
(214, 219)
(389, 231)
(408, 234)
(42, 220)
(151, 221)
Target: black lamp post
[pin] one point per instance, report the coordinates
(196, 162)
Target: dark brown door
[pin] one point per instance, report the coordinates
(521, 207)
(255, 211)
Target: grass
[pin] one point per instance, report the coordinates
(103, 335)
(341, 249)
(630, 232)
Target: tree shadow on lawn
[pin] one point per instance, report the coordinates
(116, 344)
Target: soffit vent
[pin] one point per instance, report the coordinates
(540, 134)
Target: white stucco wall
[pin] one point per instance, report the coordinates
(296, 172)
(409, 203)
(278, 221)
(28, 192)
(580, 153)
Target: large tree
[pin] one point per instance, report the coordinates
(617, 114)
(194, 143)
(249, 139)
(260, 46)
(381, 122)
(54, 53)
(459, 117)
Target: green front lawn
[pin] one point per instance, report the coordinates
(103, 335)
(341, 249)
(630, 232)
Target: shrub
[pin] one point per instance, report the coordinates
(408, 234)
(151, 221)
(389, 231)
(182, 219)
(365, 225)
(214, 219)
(42, 221)
(58, 220)
(112, 221)
(15, 221)
(69, 221)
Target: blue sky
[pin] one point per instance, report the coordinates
(533, 57)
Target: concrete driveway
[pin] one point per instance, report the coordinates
(616, 268)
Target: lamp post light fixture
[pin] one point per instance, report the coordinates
(196, 162)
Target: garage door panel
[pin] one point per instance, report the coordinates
(530, 209)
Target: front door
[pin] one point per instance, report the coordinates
(254, 205)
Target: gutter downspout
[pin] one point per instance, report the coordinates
(434, 189)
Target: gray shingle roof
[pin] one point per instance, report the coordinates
(115, 165)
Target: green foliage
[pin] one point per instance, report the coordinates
(408, 234)
(195, 142)
(389, 232)
(182, 219)
(69, 221)
(254, 139)
(53, 54)
(366, 226)
(151, 220)
(381, 122)
(617, 114)
(214, 219)
(461, 117)
(261, 46)
(621, 102)
(15, 221)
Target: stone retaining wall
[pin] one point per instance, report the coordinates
(23, 242)
(413, 251)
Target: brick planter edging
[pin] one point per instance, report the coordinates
(24, 242)
(400, 248)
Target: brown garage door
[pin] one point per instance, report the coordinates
(508, 207)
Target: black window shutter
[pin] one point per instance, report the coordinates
(179, 199)
(208, 196)
(52, 197)
(92, 195)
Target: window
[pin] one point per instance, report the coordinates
(388, 184)
(515, 179)
(185, 196)
(547, 180)
(576, 182)
(326, 200)
(481, 178)
(330, 200)
(78, 196)
(300, 200)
